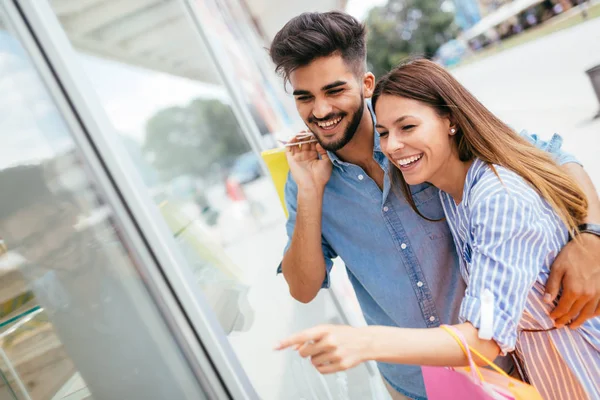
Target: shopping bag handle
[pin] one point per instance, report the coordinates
(462, 342)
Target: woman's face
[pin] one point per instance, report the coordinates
(414, 137)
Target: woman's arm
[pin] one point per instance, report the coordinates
(334, 348)
(509, 248)
(426, 346)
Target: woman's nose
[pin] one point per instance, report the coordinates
(394, 143)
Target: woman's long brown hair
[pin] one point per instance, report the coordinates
(481, 134)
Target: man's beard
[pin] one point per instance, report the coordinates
(348, 133)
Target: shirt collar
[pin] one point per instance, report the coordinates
(471, 179)
(376, 145)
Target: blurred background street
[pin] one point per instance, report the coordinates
(541, 86)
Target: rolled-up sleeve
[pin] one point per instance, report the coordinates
(552, 146)
(507, 256)
(291, 201)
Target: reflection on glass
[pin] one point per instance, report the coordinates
(228, 26)
(181, 133)
(75, 319)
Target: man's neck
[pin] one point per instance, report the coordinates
(359, 150)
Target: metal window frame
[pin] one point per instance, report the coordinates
(163, 269)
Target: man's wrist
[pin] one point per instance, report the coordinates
(589, 229)
(310, 192)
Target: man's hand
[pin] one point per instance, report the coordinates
(307, 169)
(577, 270)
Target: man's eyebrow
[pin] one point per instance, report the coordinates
(333, 85)
(329, 86)
(301, 92)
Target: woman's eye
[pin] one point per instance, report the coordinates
(408, 127)
(382, 134)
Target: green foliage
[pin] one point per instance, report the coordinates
(189, 140)
(405, 28)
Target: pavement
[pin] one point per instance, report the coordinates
(541, 86)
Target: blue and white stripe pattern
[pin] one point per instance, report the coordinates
(507, 237)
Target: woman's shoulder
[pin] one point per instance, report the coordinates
(495, 182)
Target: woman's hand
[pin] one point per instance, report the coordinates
(332, 348)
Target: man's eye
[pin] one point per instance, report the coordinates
(303, 98)
(335, 91)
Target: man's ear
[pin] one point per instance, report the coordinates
(368, 84)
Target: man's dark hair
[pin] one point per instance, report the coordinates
(313, 35)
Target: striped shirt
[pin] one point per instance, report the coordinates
(507, 238)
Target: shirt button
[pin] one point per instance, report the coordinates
(420, 284)
(361, 177)
(403, 246)
(432, 318)
(386, 209)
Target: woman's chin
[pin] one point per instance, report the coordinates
(413, 180)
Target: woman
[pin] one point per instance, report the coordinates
(510, 209)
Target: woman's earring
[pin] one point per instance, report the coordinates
(452, 130)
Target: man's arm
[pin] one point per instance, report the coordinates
(307, 261)
(303, 264)
(577, 267)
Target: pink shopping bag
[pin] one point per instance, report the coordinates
(473, 383)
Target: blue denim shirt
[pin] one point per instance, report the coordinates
(404, 269)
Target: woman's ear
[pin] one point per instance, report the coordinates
(368, 84)
(453, 128)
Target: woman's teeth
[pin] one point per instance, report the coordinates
(329, 123)
(409, 160)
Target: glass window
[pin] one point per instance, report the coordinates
(161, 92)
(76, 321)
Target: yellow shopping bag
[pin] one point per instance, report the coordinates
(277, 164)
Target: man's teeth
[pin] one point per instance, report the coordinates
(329, 123)
(406, 161)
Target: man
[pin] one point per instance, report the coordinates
(404, 269)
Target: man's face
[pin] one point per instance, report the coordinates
(330, 99)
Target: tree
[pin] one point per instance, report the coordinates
(405, 28)
(190, 139)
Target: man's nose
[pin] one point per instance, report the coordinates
(321, 109)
